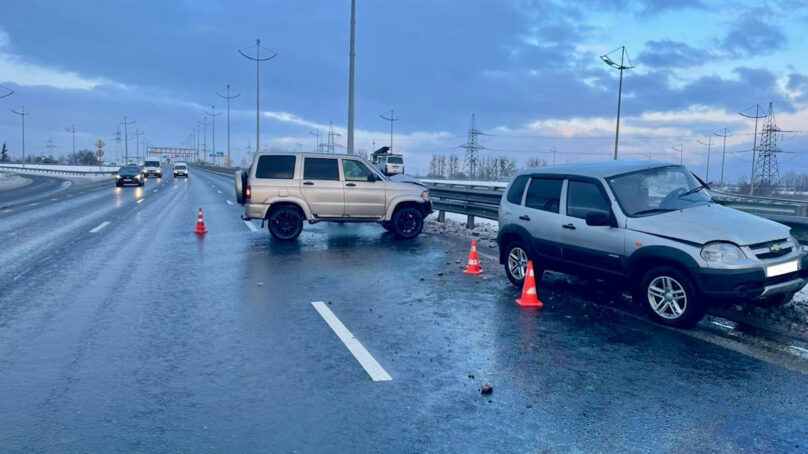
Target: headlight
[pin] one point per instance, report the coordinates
(425, 194)
(722, 253)
(117, 177)
(797, 245)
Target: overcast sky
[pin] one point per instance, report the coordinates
(530, 70)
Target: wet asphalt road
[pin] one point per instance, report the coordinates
(142, 337)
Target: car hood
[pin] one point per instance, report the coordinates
(711, 222)
(401, 178)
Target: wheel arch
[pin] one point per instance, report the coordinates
(509, 234)
(652, 256)
(405, 201)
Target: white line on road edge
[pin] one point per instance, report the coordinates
(141, 200)
(229, 202)
(100, 227)
(372, 367)
(723, 325)
(252, 227)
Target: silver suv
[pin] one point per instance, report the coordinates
(287, 188)
(653, 226)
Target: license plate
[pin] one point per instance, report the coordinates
(783, 268)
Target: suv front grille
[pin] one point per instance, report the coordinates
(771, 249)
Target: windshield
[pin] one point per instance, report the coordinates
(395, 160)
(180, 166)
(129, 170)
(152, 164)
(657, 190)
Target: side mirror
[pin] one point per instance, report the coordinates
(598, 219)
(373, 178)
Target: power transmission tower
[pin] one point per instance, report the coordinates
(723, 153)
(392, 118)
(126, 124)
(757, 116)
(228, 98)
(213, 116)
(473, 148)
(257, 59)
(766, 170)
(50, 146)
(72, 130)
(621, 67)
(22, 113)
(331, 135)
(118, 140)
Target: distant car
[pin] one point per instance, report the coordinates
(152, 168)
(653, 227)
(391, 164)
(129, 174)
(180, 169)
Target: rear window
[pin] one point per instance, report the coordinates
(517, 189)
(152, 164)
(276, 167)
(395, 160)
(320, 169)
(544, 194)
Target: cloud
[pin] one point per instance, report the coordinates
(671, 54)
(751, 34)
(14, 69)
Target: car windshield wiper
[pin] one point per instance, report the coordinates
(696, 189)
(652, 211)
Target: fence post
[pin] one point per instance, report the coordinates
(441, 216)
(470, 222)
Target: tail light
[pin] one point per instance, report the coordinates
(248, 193)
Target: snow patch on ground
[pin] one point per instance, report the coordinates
(88, 169)
(12, 181)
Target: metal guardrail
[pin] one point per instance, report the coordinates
(480, 200)
(59, 171)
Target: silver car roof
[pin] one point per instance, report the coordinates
(596, 169)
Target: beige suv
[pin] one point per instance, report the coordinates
(285, 189)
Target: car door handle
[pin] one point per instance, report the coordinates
(524, 217)
(308, 183)
(351, 184)
(568, 226)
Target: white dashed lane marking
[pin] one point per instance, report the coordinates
(251, 226)
(99, 227)
(366, 360)
(229, 202)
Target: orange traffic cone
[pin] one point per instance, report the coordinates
(200, 224)
(473, 267)
(529, 296)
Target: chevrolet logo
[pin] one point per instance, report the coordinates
(775, 248)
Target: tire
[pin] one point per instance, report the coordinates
(285, 223)
(407, 222)
(776, 300)
(670, 298)
(516, 257)
(240, 186)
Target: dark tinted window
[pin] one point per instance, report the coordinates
(152, 163)
(544, 194)
(320, 169)
(395, 160)
(517, 189)
(584, 198)
(277, 167)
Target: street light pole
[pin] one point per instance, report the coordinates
(709, 145)
(723, 154)
(125, 124)
(213, 116)
(351, 76)
(72, 129)
(622, 66)
(22, 115)
(258, 61)
(228, 98)
(391, 119)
